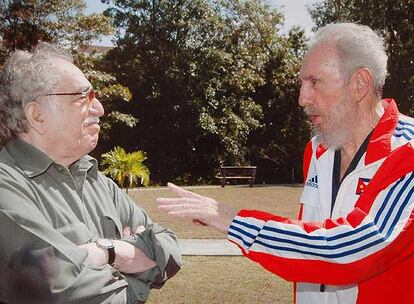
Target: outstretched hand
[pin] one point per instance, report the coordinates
(199, 208)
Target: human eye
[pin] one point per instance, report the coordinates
(85, 94)
(314, 82)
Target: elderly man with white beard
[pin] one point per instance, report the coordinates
(354, 240)
(68, 233)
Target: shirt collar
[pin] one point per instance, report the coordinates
(85, 163)
(34, 162)
(30, 159)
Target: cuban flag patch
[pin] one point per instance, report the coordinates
(362, 184)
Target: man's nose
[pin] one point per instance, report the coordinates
(304, 96)
(97, 108)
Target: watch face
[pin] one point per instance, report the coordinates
(105, 243)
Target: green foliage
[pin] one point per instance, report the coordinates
(127, 169)
(394, 20)
(25, 22)
(206, 77)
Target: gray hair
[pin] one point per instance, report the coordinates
(24, 77)
(358, 47)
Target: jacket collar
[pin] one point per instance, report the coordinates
(380, 143)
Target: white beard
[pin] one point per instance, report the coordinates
(338, 126)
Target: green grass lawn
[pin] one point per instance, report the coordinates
(207, 279)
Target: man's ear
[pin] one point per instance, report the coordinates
(361, 84)
(35, 115)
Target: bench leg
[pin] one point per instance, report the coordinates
(223, 182)
(251, 182)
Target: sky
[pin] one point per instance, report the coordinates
(294, 10)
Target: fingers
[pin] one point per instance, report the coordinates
(180, 207)
(176, 204)
(189, 213)
(183, 207)
(177, 201)
(169, 200)
(181, 192)
(127, 231)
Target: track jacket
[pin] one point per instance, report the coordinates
(364, 251)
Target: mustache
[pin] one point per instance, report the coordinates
(92, 119)
(309, 111)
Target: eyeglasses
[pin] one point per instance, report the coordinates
(90, 95)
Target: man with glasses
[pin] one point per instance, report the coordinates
(68, 234)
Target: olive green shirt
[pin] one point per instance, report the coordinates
(47, 210)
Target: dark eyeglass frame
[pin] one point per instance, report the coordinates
(90, 94)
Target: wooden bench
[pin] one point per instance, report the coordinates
(237, 172)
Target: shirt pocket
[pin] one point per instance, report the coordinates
(78, 233)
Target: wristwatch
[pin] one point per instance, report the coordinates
(108, 245)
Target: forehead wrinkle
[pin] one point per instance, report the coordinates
(73, 85)
(325, 68)
(71, 78)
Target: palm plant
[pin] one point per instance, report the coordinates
(126, 168)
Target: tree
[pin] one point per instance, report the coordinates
(23, 23)
(394, 20)
(278, 144)
(126, 169)
(202, 75)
